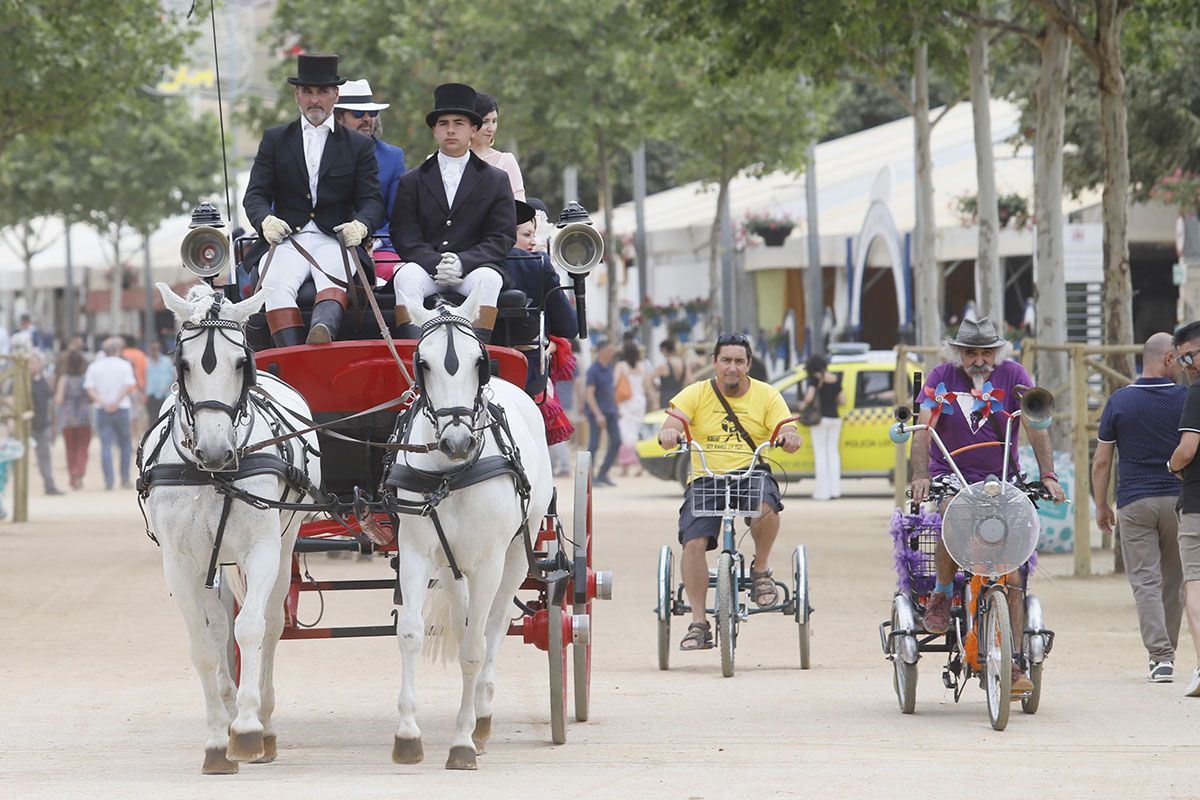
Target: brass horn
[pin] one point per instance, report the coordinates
(1037, 407)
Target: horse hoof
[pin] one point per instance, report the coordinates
(215, 763)
(407, 751)
(245, 746)
(483, 732)
(270, 751)
(461, 757)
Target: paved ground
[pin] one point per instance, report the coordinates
(101, 700)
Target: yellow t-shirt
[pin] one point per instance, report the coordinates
(759, 410)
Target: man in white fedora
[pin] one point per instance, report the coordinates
(357, 109)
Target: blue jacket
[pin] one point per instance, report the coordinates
(533, 275)
(391, 167)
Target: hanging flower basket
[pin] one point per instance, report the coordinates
(772, 229)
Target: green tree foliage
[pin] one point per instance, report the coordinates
(66, 61)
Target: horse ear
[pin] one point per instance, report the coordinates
(470, 307)
(178, 306)
(416, 308)
(241, 311)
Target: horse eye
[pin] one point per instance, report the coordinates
(422, 364)
(184, 365)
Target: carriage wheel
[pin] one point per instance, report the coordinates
(1030, 704)
(997, 641)
(557, 653)
(800, 574)
(904, 675)
(726, 613)
(666, 584)
(582, 532)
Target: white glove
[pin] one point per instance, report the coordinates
(275, 230)
(353, 232)
(449, 270)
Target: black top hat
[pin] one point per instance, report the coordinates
(977, 333)
(316, 71)
(453, 98)
(525, 212)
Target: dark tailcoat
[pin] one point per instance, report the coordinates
(347, 187)
(481, 226)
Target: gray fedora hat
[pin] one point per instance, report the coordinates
(977, 333)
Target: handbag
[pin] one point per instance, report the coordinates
(623, 390)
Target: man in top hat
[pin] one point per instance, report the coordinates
(311, 180)
(977, 371)
(454, 222)
(357, 110)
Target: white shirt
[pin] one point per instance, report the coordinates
(109, 376)
(314, 147)
(452, 172)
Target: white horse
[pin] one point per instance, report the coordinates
(481, 523)
(214, 368)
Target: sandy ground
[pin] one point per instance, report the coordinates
(101, 700)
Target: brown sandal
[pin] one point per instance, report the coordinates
(763, 589)
(698, 637)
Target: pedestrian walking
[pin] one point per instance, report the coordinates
(43, 420)
(1140, 423)
(633, 392)
(1183, 463)
(672, 373)
(160, 374)
(73, 414)
(601, 409)
(824, 390)
(110, 383)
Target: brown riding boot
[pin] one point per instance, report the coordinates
(404, 328)
(287, 327)
(485, 323)
(327, 316)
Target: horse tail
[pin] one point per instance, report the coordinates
(441, 643)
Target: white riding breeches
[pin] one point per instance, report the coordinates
(289, 269)
(415, 282)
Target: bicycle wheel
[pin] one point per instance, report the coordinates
(904, 676)
(1030, 704)
(666, 584)
(726, 613)
(997, 641)
(800, 575)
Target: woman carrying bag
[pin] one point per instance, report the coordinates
(824, 394)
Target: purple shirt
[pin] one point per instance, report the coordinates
(963, 428)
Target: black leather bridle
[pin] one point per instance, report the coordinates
(455, 415)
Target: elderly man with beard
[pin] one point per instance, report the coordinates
(977, 363)
(729, 416)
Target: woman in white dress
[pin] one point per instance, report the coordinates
(485, 137)
(632, 371)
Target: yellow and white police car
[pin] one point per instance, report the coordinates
(867, 452)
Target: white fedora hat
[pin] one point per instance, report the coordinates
(356, 96)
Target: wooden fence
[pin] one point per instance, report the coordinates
(16, 419)
(1077, 404)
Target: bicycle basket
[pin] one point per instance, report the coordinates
(738, 494)
(990, 534)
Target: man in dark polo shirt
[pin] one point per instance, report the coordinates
(600, 407)
(1184, 464)
(1140, 423)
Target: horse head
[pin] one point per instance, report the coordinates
(450, 366)
(214, 371)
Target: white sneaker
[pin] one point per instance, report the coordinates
(1162, 672)
(1193, 689)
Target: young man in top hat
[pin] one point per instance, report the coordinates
(357, 110)
(311, 179)
(454, 221)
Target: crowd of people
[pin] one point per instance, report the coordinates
(112, 394)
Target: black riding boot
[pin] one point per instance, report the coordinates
(484, 335)
(288, 337)
(326, 322)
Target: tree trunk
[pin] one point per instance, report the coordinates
(926, 280)
(118, 270)
(1118, 290)
(1050, 291)
(716, 296)
(989, 280)
(613, 294)
(27, 254)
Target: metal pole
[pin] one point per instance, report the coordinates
(639, 239)
(1079, 492)
(728, 301)
(71, 306)
(814, 285)
(900, 387)
(570, 184)
(148, 312)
